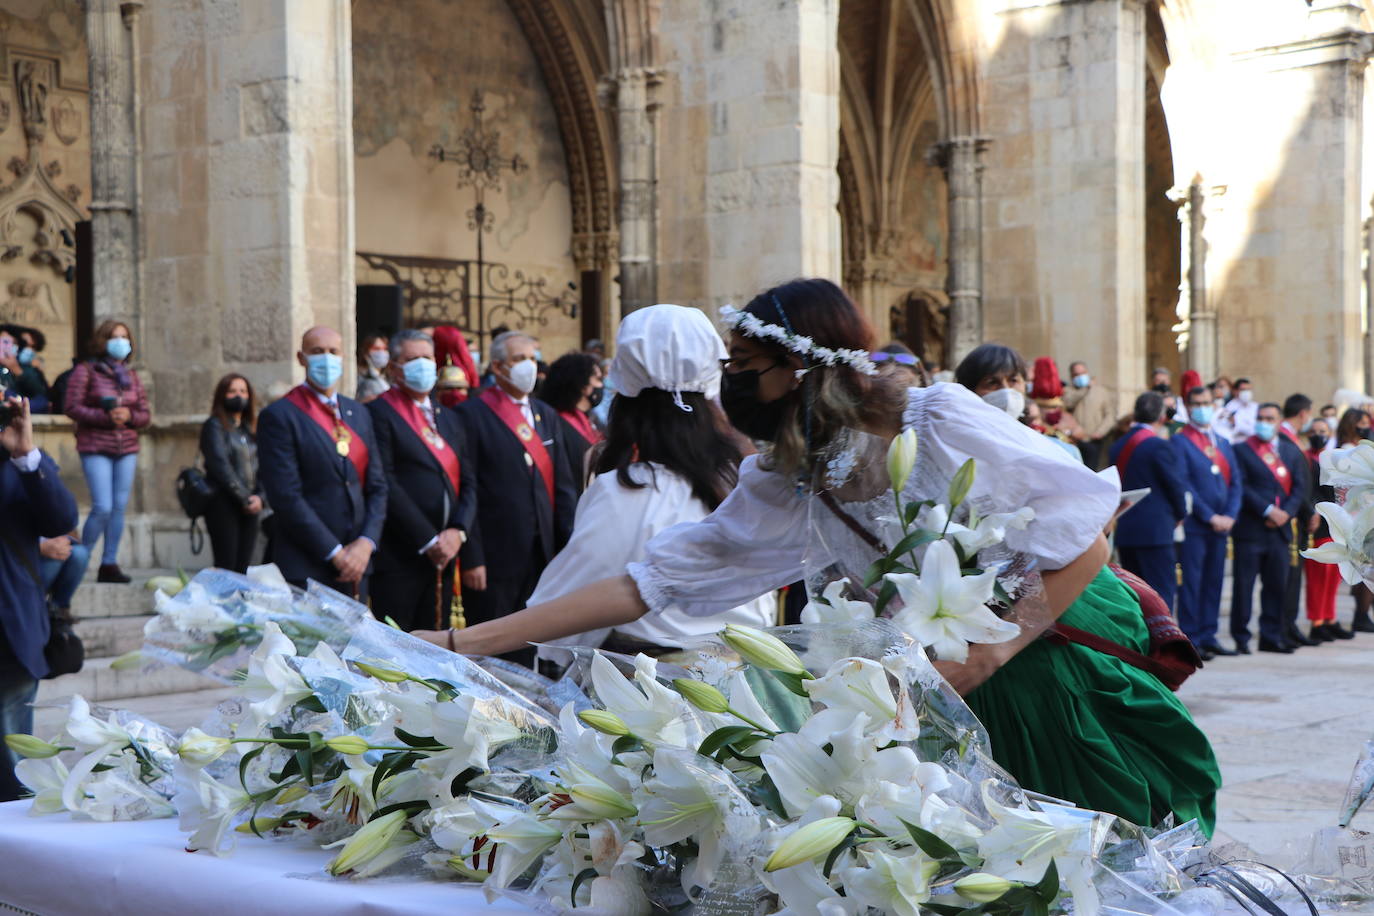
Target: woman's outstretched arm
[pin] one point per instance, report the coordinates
(1062, 588)
(606, 603)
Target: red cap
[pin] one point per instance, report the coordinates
(1190, 380)
(1046, 383)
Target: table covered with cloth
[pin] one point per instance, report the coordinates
(55, 866)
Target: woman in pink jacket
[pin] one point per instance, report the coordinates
(107, 401)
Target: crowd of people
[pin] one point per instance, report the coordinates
(639, 502)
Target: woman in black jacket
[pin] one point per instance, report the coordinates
(231, 465)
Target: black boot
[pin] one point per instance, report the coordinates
(110, 572)
(1362, 623)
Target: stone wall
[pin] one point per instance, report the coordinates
(416, 66)
(45, 175)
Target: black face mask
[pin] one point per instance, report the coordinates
(1162, 388)
(1316, 443)
(739, 395)
(595, 397)
(1367, 434)
(236, 405)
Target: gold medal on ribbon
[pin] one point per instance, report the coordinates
(433, 438)
(341, 439)
(524, 432)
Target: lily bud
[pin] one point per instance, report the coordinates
(386, 675)
(351, 745)
(600, 800)
(261, 824)
(291, 794)
(199, 749)
(129, 661)
(701, 695)
(604, 721)
(762, 649)
(32, 747)
(961, 484)
(981, 887)
(369, 842)
(901, 458)
(814, 840)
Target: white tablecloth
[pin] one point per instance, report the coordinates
(54, 866)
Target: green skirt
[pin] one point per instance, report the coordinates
(1077, 724)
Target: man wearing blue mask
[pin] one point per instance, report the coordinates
(321, 475)
(1214, 481)
(431, 490)
(1093, 411)
(1275, 474)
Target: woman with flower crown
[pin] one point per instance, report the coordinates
(1065, 720)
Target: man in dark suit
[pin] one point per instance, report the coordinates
(431, 490)
(1214, 480)
(317, 458)
(1145, 533)
(525, 491)
(34, 504)
(1297, 420)
(1275, 472)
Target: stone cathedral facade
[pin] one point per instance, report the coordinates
(1131, 182)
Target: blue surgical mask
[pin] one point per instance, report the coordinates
(26, 356)
(1201, 416)
(1082, 381)
(539, 356)
(324, 369)
(420, 374)
(118, 347)
(1266, 431)
(1306, 427)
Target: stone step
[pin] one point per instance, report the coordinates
(102, 599)
(105, 637)
(98, 681)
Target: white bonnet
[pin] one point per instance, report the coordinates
(669, 347)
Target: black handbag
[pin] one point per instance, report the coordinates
(63, 651)
(194, 492)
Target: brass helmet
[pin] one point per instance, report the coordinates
(453, 377)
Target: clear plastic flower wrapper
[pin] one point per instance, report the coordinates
(825, 768)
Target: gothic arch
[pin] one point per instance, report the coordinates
(570, 41)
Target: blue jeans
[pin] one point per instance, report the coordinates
(17, 691)
(109, 480)
(61, 577)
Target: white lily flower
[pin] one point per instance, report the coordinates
(744, 701)
(378, 837)
(119, 795)
(1346, 547)
(1348, 466)
(272, 685)
(860, 685)
(199, 749)
(836, 609)
(946, 610)
(801, 770)
(520, 839)
(985, 531)
(619, 894)
(894, 884)
(44, 777)
(651, 711)
(206, 808)
(1024, 842)
(803, 890)
(194, 612)
(88, 732)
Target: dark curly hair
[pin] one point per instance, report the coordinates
(567, 377)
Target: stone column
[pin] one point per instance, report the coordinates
(1369, 303)
(962, 161)
(637, 137)
(1202, 320)
(114, 120)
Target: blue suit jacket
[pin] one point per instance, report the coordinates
(1153, 464)
(1211, 494)
(33, 505)
(1262, 490)
(315, 494)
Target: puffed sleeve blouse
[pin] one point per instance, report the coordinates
(757, 539)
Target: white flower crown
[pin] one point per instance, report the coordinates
(752, 326)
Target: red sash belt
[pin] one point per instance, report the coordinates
(346, 440)
(415, 419)
(1212, 452)
(537, 457)
(1127, 450)
(580, 422)
(1270, 456)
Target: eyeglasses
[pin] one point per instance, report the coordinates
(903, 359)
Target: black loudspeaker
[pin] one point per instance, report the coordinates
(380, 310)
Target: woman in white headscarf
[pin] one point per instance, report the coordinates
(669, 457)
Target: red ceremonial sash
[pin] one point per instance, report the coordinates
(415, 419)
(346, 441)
(1270, 456)
(508, 411)
(583, 424)
(1127, 450)
(1212, 453)
(1290, 435)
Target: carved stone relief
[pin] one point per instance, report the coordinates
(66, 122)
(33, 79)
(30, 303)
(4, 115)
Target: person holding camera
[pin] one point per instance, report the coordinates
(107, 401)
(228, 442)
(34, 505)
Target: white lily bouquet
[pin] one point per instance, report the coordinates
(1350, 471)
(821, 769)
